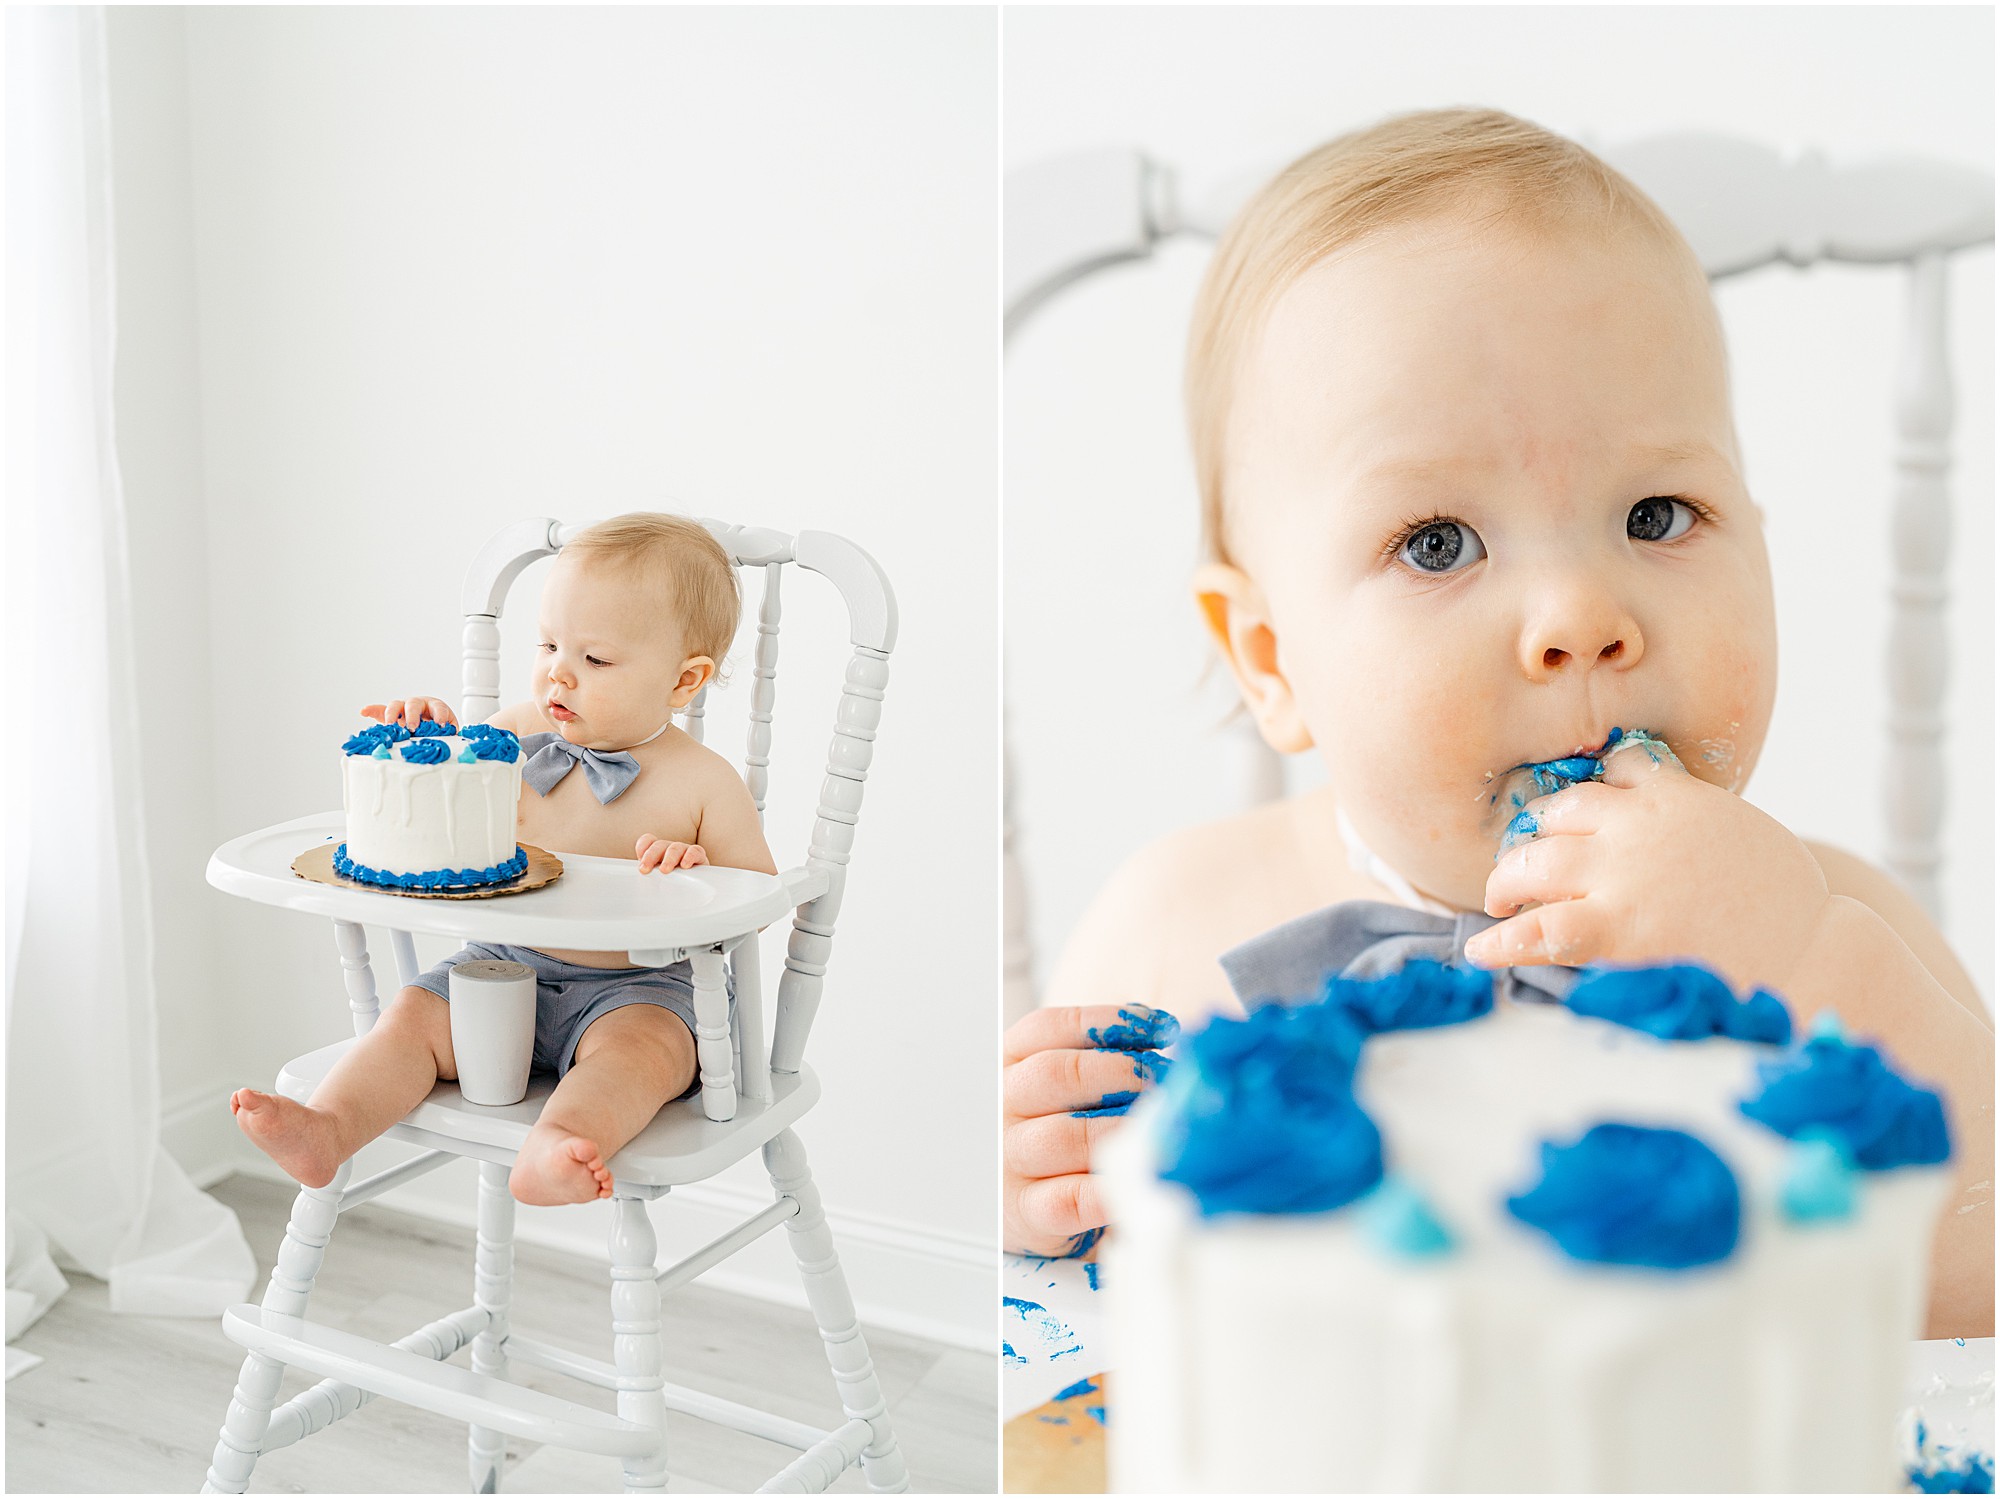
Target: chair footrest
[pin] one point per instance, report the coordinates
(476, 1399)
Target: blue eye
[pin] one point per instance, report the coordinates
(1659, 518)
(595, 662)
(1441, 546)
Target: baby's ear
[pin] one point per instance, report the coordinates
(1239, 620)
(696, 673)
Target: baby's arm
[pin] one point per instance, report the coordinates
(1883, 965)
(1851, 876)
(1066, 1085)
(729, 832)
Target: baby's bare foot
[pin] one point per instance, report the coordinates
(555, 1168)
(298, 1138)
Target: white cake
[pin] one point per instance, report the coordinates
(431, 811)
(1273, 1352)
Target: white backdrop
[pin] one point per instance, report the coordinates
(397, 277)
(1120, 745)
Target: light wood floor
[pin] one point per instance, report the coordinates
(132, 1404)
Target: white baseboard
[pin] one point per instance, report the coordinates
(904, 1278)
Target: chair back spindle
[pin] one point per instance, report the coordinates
(479, 682)
(1920, 533)
(505, 556)
(847, 762)
(763, 692)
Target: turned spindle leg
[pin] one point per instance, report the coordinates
(833, 1310)
(492, 1289)
(299, 1258)
(635, 1337)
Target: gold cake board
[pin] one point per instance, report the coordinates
(543, 868)
(1057, 1448)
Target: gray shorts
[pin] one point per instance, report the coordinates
(568, 997)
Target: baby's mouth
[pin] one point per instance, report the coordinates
(1550, 776)
(1580, 764)
(559, 713)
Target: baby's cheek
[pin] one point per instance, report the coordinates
(1735, 714)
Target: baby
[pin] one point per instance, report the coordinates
(635, 614)
(1473, 500)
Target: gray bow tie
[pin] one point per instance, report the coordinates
(550, 757)
(1365, 939)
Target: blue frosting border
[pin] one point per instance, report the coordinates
(431, 879)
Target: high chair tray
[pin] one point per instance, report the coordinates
(599, 905)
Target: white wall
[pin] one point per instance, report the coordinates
(443, 268)
(1109, 715)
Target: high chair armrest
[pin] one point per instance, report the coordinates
(804, 883)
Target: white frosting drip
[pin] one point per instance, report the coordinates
(447, 816)
(1289, 1353)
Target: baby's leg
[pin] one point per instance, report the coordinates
(383, 1076)
(629, 1061)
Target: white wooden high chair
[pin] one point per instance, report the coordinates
(748, 1099)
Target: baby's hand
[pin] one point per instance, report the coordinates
(1652, 865)
(1071, 1075)
(658, 853)
(411, 711)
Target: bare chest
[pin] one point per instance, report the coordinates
(1253, 889)
(570, 819)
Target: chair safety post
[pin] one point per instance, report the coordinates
(352, 939)
(711, 1034)
(871, 608)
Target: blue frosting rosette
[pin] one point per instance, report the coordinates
(365, 741)
(506, 750)
(489, 743)
(1848, 1092)
(1680, 1002)
(426, 750)
(1421, 993)
(1261, 1114)
(1626, 1194)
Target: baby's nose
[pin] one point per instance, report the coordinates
(1579, 635)
(1555, 656)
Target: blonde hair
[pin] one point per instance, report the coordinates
(1481, 164)
(688, 564)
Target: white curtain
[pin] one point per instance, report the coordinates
(85, 1165)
